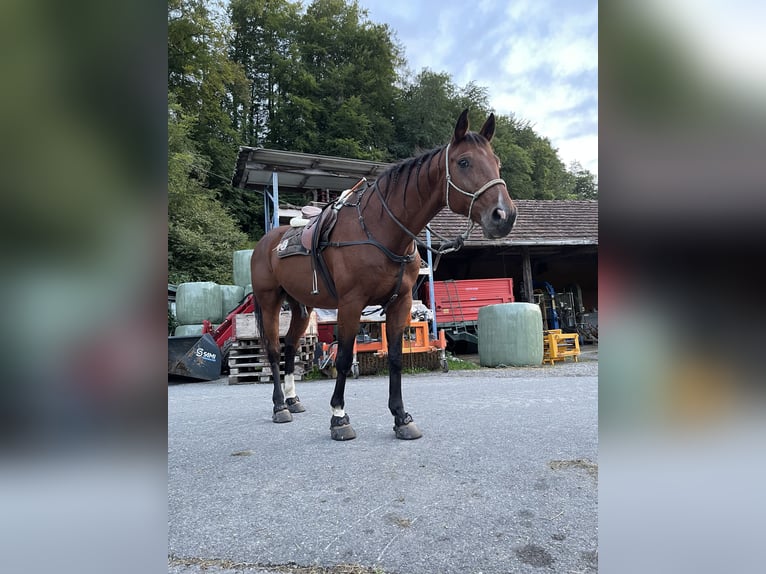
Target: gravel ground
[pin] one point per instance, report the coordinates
(504, 479)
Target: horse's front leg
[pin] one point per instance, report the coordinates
(396, 320)
(348, 325)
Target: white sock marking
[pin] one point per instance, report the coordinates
(338, 412)
(290, 386)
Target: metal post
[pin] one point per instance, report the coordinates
(431, 295)
(266, 211)
(275, 189)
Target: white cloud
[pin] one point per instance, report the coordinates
(537, 59)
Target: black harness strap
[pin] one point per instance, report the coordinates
(318, 262)
(402, 260)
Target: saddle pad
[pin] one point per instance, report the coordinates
(291, 244)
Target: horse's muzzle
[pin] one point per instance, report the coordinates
(499, 222)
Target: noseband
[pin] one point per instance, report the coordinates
(474, 196)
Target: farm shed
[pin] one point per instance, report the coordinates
(554, 242)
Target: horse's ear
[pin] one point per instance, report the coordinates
(461, 127)
(488, 129)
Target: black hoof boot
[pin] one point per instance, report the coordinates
(406, 429)
(282, 415)
(294, 405)
(340, 428)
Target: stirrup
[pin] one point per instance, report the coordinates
(314, 283)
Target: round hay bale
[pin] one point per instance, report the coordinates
(198, 301)
(510, 334)
(242, 267)
(188, 330)
(231, 295)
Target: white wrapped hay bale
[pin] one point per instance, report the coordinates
(188, 330)
(197, 302)
(510, 334)
(231, 295)
(241, 269)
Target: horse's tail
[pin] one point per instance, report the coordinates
(258, 317)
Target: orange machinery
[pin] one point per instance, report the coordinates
(419, 350)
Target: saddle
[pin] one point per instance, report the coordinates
(306, 234)
(309, 234)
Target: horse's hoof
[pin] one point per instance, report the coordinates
(410, 431)
(345, 432)
(282, 416)
(294, 405)
(341, 429)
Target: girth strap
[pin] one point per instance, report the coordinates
(318, 246)
(318, 262)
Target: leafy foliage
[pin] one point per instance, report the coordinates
(202, 235)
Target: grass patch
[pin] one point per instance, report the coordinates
(458, 364)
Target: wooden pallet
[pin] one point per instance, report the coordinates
(248, 363)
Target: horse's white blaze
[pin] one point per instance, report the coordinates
(338, 412)
(290, 386)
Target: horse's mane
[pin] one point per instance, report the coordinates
(389, 180)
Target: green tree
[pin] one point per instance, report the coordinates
(208, 86)
(516, 165)
(202, 235)
(585, 185)
(343, 86)
(428, 108)
(263, 43)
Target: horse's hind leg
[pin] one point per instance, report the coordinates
(267, 315)
(299, 320)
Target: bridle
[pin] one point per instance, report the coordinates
(474, 196)
(447, 245)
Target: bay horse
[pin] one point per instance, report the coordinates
(369, 256)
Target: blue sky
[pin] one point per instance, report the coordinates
(537, 58)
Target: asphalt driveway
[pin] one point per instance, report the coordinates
(503, 480)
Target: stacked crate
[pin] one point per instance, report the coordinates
(248, 362)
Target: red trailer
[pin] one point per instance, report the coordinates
(458, 302)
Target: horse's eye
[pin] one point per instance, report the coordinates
(463, 162)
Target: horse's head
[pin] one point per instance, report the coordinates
(474, 186)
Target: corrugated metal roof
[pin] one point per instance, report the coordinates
(301, 171)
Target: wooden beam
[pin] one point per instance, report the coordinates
(527, 270)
